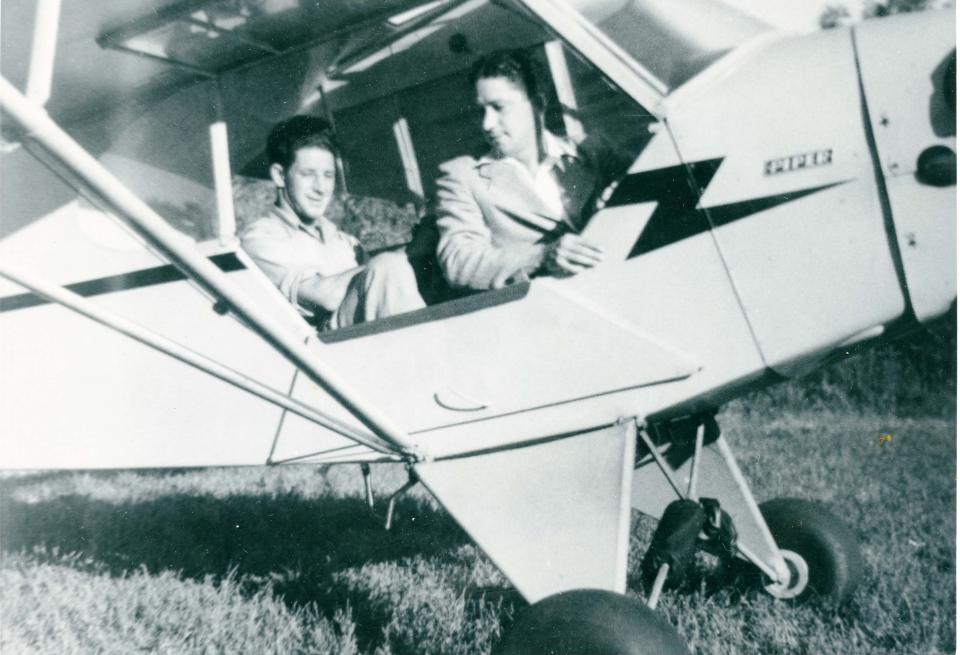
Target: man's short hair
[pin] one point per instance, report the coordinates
(516, 66)
(290, 135)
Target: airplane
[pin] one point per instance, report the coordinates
(784, 198)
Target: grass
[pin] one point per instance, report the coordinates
(912, 376)
(290, 559)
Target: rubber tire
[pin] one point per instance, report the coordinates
(590, 622)
(828, 546)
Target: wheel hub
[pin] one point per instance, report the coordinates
(798, 581)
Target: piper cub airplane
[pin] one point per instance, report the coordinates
(782, 198)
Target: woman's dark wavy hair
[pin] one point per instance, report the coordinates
(516, 66)
(298, 132)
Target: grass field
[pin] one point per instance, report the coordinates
(290, 560)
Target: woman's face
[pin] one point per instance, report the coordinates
(509, 119)
(308, 183)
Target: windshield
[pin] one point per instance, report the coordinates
(672, 40)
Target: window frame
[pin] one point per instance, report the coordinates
(600, 51)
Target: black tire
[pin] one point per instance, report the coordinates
(827, 546)
(590, 622)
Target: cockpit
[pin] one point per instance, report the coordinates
(391, 76)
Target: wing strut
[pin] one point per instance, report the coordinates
(40, 131)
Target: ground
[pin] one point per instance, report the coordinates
(290, 559)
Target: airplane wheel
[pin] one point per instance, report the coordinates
(822, 553)
(590, 622)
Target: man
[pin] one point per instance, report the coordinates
(515, 212)
(319, 268)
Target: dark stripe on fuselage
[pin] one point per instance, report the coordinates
(677, 191)
(671, 186)
(226, 262)
(723, 214)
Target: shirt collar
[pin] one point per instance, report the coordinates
(555, 149)
(323, 229)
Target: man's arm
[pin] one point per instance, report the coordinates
(325, 292)
(269, 246)
(466, 253)
(469, 258)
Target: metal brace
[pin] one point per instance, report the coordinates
(658, 586)
(691, 493)
(412, 481)
(367, 483)
(658, 458)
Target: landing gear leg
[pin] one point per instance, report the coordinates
(800, 550)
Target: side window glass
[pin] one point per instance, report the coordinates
(605, 113)
(379, 207)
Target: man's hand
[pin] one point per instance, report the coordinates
(569, 255)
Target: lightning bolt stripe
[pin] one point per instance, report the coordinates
(677, 191)
(724, 214)
(670, 186)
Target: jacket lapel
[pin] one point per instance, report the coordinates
(513, 193)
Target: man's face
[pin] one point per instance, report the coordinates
(509, 120)
(308, 183)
